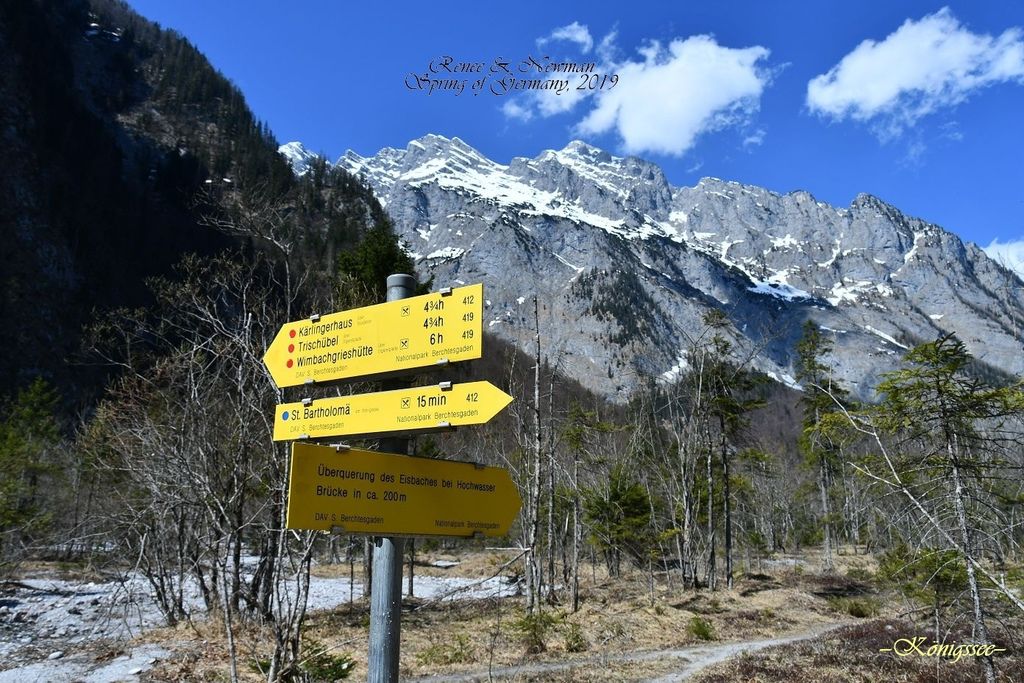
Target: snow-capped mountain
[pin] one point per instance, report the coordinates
(625, 265)
(298, 156)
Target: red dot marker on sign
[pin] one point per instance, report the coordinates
(291, 348)
(291, 333)
(289, 363)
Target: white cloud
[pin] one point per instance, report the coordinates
(574, 33)
(921, 67)
(514, 110)
(676, 93)
(755, 139)
(916, 149)
(1009, 254)
(544, 103)
(663, 100)
(607, 50)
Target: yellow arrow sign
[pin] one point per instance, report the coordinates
(395, 336)
(406, 410)
(365, 492)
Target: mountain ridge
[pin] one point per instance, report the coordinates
(580, 226)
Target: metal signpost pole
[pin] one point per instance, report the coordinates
(386, 592)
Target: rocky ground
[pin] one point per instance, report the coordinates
(55, 626)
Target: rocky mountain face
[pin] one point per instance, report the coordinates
(624, 265)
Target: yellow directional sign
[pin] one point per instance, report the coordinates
(405, 410)
(395, 336)
(365, 492)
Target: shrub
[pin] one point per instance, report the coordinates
(321, 665)
(533, 630)
(860, 574)
(855, 607)
(575, 641)
(318, 664)
(458, 651)
(701, 628)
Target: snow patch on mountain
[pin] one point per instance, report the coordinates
(887, 337)
(298, 157)
(446, 253)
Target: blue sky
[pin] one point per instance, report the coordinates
(919, 103)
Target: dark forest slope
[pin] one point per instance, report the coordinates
(116, 136)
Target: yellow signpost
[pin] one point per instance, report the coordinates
(355, 491)
(400, 335)
(412, 410)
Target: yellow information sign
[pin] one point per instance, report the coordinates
(374, 340)
(364, 492)
(417, 409)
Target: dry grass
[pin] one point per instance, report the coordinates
(616, 616)
(619, 616)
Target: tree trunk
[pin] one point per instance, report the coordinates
(576, 533)
(229, 630)
(677, 541)
(826, 543)
(712, 569)
(686, 544)
(726, 494)
(551, 526)
(980, 631)
(533, 578)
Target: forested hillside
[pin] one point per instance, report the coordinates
(121, 144)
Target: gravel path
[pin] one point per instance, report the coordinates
(693, 659)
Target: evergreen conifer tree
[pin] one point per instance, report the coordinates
(822, 397)
(935, 402)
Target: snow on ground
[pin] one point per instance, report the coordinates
(785, 242)
(43, 612)
(836, 251)
(777, 285)
(42, 617)
(680, 366)
(84, 669)
(787, 379)
(725, 246)
(886, 337)
(918, 236)
(444, 564)
(578, 269)
(329, 593)
(779, 290)
(447, 253)
(849, 290)
(492, 182)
